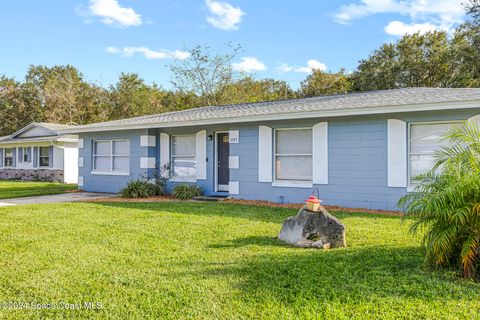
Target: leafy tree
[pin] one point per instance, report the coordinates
(206, 74)
(249, 89)
(320, 83)
(473, 8)
(414, 61)
(446, 206)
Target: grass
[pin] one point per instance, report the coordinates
(16, 189)
(210, 260)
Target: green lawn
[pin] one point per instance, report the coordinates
(210, 260)
(16, 189)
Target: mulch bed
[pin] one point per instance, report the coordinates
(250, 202)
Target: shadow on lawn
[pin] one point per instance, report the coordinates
(341, 275)
(252, 212)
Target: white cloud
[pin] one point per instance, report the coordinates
(249, 64)
(398, 28)
(441, 14)
(311, 64)
(112, 13)
(148, 53)
(223, 15)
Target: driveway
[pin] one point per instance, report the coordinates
(54, 198)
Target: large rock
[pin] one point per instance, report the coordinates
(313, 230)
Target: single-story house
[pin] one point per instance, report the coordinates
(40, 152)
(359, 150)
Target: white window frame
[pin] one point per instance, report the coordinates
(5, 157)
(40, 156)
(412, 185)
(25, 154)
(290, 182)
(174, 178)
(112, 156)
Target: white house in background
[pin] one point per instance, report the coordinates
(39, 152)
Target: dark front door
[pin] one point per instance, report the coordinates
(223, 171)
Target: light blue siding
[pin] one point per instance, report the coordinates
(357, 155)
(111, 183)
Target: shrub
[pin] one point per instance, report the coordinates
(446, 206)
(186, 191)
(142, 188)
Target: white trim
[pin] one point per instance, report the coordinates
(275, 155)
(164, 153)
(265, 154)
(233, 187)
(397, 153)
(218, 187)
(80, 181)
(147, 141)
(292, 184)
(233, 162)
(320, 153)
(147, 163)
(411, 186)
(111, 155)
(292, 115)
(109, 173)
(201, 155)
(80, 162)
(80, 143)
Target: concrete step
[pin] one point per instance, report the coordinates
(210, 198)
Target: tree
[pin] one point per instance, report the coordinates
(320, 83)
(206, 74)
(414, 61)
(473, 8)
(446, 206)
(249, 89)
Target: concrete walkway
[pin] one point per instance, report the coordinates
(55, 198)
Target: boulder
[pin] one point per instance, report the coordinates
(316, 229)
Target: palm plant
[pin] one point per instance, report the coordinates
(446, 205)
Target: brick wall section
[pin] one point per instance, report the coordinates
(31, 174)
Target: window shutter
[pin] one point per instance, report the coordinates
(1, 157)
(265, 156)
(50, 156)
(475, 120)
(397, 153)
(320, 153)
(20, 154)
(35, 157)
(14, 157)
(164, 154)
(201, 155)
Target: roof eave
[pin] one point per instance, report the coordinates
(291, 116)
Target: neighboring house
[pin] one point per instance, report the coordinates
(40, 152)
(359, 150)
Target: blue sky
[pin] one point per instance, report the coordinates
(280, 39)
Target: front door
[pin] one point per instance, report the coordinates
(223, 171)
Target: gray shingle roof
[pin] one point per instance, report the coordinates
(54, 128)
(343, 102)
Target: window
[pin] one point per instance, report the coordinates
(111, 156)
(44, 158)
(293, 154)
(25, 151)
(183, 157)
(8, 159)
(425, 140)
